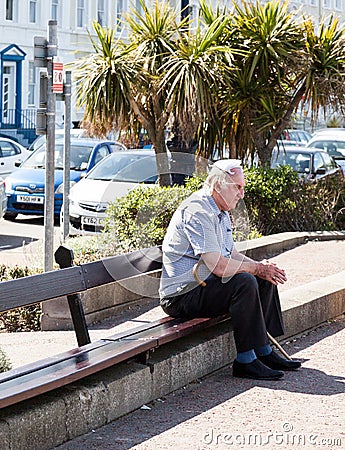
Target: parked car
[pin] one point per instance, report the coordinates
(310, 163)
(3, 198)
(25, 186)
(113, 177)
(59, 134)
(301, 136)
(332, 141)
(11, 152)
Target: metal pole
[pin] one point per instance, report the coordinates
(67, 153)
(50, 152)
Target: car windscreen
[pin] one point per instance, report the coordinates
(300, 162)
(80, 155)
(336, 149)
(131, 168)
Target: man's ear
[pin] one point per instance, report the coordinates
(217, 187)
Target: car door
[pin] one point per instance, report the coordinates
(99, 152)
(9, 154)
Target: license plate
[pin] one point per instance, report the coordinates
(91, 221)
(29, 199)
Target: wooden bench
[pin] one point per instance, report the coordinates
(59, 370)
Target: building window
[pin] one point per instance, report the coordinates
(119, 12)
(55, 14)
(9, 9)
(32, 83)
(313, 2)
(338, 5)
(101, 12)
(326, 3)
(33, 11)
(81, 14)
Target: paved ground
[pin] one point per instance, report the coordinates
(305, 410)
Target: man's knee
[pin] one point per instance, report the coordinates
(245, 282)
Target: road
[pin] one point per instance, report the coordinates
(22, 241)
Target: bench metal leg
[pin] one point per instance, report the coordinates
(78, 319)
(64, 257)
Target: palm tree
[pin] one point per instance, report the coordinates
(287, 62)
(119, 85)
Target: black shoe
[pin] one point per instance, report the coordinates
(275, 361)
(255, 370)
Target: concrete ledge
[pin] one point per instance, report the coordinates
(54, 418)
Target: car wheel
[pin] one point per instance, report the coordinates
(10, 216)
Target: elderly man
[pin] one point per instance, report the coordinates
(235, 284)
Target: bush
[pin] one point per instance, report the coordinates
(140, 218)
(26, 318)
(92, 248)
(275, 199)
(4, 362)
(278, 201)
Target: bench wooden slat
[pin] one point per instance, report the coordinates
(51, 373)
(70, 370)
(121, 267)
(44, 286)
(51, 360)
(177, 328)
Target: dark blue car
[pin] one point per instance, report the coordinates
(25, 186)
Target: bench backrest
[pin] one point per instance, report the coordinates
(75, 279)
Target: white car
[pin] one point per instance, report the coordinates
(11, 155)
(3, 198)
(112, 177)
(332, 141)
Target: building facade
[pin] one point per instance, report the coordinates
(22, 20)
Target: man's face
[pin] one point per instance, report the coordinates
(228, 194)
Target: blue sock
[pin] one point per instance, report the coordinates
(246, 357)
(264, 350)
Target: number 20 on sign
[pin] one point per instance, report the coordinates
(58, 77)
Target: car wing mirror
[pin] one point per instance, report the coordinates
(17, 163)
(321, 171)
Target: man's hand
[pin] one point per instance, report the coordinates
(270, 271)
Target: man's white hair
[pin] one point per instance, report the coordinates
(220, 172)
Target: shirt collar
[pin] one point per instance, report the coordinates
(214, 206)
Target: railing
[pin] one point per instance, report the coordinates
(22, 119)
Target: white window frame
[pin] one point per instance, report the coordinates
(55, 11)
(102, 12)
(32, 84)
(326, 4)
(12, 5)
(81, 17)
(312, 2)
(121, 8)
(338, 5)
(33, 11)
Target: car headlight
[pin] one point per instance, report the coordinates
(59, 189)
(8, 184)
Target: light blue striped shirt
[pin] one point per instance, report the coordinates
(197, 227)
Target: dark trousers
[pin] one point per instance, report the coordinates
(253, 304)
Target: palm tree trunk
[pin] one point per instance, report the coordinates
(162, 159)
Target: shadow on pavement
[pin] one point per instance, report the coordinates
(8, 242)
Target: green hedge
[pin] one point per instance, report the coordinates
(26, 318)
(275, 201)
